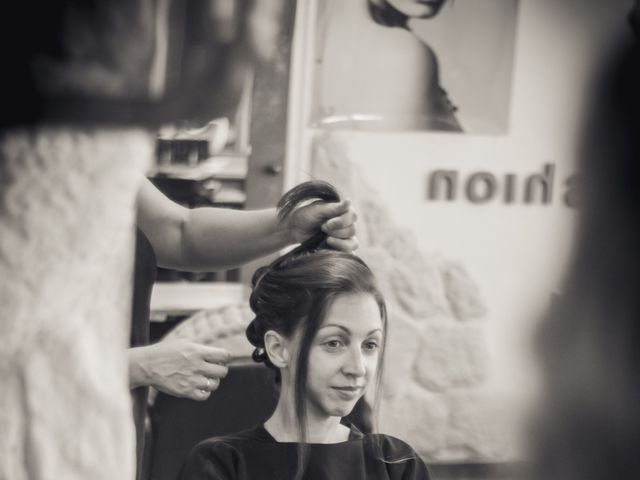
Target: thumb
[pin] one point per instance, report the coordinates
(331, 210)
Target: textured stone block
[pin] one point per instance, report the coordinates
(419, 292)
(482, 426)
(451, 355)
(462, 292)
(403, 341)
(419, 418)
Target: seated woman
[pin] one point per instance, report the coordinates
(320, 322)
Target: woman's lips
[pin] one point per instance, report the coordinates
(348, 392)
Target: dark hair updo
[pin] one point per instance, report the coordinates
(296, 290)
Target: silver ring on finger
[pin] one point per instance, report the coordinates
(209, 385)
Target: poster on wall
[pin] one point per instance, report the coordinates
(394, 65)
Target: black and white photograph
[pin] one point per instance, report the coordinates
(320, 240)
(414, 65)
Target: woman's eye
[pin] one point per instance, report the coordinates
(333, 343)
(371, 345)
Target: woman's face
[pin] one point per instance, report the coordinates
(418, 8)
(343, 357)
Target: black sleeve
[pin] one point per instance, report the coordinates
(402, 461)
(210, 460)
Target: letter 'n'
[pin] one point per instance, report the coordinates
(439, 177)
(545, 182)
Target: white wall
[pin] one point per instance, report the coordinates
(516, 253)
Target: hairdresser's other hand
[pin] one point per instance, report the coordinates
(179, 367)
(337, 220)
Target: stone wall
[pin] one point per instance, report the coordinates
(66, 251)
(434, 392)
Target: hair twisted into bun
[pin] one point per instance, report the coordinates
(301, 194)
(272, 295)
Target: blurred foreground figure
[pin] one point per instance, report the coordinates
(85, 85)
(590, 345)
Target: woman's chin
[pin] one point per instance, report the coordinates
(344, 409)
(343, 412)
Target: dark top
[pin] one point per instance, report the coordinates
(144, 276)
(255, 455)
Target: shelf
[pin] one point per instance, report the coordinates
(223, 167)
(185, 298)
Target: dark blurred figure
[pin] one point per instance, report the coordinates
(589, 426)
(123, 62)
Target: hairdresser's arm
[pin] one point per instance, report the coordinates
(208, 238)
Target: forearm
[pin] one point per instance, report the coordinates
(207, 238)
(214, 238)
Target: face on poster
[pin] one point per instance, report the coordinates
(443, 65)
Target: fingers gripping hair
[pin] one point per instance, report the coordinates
(301, 194)
(312, 190)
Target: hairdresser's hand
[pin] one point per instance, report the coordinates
(337, 220)
(179, 367)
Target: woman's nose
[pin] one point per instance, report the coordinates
(354, 364)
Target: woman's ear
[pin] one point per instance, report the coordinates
(277, 347)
